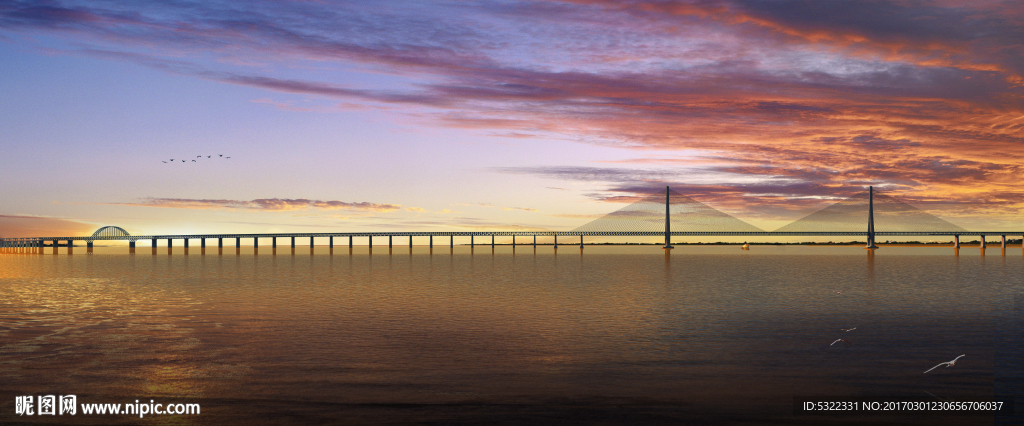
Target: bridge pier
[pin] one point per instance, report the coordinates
(471, 242)
(451, 242)
(131, 247)
(311, 243)
(71, 246)
(330, 242)
(1004, 242)
(56, 243)
(431, 241)
(256, 245)
(88, 246)
(956, 241)
(982, 241)
(556, 241)
(370, 242)
(169, 246)
(410, 241)
(186, 243)
(534, 241)
(492, 242)
(238, 246)
(581, 242)
(389, 242)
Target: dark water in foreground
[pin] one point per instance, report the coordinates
(709, 335)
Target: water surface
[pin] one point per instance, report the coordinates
(609, 335)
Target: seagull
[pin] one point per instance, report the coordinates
(947, 363)
(193, 161)
(837, 291)
(840, 340)
(221, 155)
(227, 157)
(207, 156)
(172, 159)
(199, 156)
(848, 329)
(184, 161)
(165, 162)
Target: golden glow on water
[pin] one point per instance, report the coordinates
(701, 326)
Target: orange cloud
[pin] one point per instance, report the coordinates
(265, 204)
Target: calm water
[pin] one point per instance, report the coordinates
(708, 335)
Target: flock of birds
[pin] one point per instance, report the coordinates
(194, 161)
(847, 330)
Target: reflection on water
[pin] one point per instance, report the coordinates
(627, 335)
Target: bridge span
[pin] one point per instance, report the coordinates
(113, 233)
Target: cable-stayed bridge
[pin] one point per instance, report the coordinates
(667, 215)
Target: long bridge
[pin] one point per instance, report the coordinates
(113, 233)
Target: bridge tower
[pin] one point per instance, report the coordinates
(871, 219)
(668, 226)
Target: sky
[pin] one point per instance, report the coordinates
(501, 115)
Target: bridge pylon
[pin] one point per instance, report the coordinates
(871, 219)
(668, 223)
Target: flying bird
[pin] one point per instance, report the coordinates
(207, 156)
(165, 162)
(848, 329)
(840, 340)
(947, 363)
(227, 157)
(837, 291)
(172, 159)
(221, 155)
(199, 156)
(193, 161)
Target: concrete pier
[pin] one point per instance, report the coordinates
(410, 241)
(293, 243)
(956, 241)
(1003, 245)
(330, 242)
(492, 241)
(431, 241)
(389, 242)
(983, 241)
(556, 241)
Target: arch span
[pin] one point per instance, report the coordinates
(111, 231)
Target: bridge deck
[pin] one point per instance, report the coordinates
(503, 234)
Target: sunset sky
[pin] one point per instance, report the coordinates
(501, 115)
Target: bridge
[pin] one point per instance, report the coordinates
(639, 219)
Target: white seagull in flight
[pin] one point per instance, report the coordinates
(840, 340)
(848, 329)
(947, 363)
